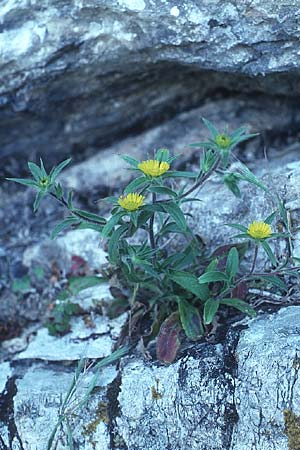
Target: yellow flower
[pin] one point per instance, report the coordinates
(153, 167)
(223, 141)
(131, 202)
(259, 230)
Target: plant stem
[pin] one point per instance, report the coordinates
(254, 260)
(63, 202)
(204, 177)
(151, 225)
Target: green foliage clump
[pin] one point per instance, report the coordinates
(182, 291)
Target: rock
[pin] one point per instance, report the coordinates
(219, 206)
(230, 395)
(83, 243)
(78, 75)
(267, 380)
(107, 171)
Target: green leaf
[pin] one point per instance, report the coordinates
(77, 284)
(232, 263)
(231, 182)
(162, 190)
(87, 215)
(276, 281)
(113, 221)
(58, 191)
(210, 127)
(42, 168)
(189, 282)
(70, 200)
(270, 218)
(180, 174)
(24, 181)
(113, 243)
(168, 341)
(240, 305)
(239, 236)
(177, 215)
(56, 170)
(162, 154)
(62, 226)
(246, 175)
(212, 277)
(190, 319)
(211, 306)
(38, 199)
(35, 170)
(237, 226)
(134, 185)
(269, 252)
(171, 227)
(133, 162)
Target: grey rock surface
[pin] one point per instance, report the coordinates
(218, 206)
(229, 396)
(76, 75)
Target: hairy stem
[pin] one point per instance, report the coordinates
(254, 260)
(204, 177)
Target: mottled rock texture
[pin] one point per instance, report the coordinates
(78, 74)
(229, 396)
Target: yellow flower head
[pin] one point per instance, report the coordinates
(259, 230)
(223, 141)
(131, 202)
(153, 167)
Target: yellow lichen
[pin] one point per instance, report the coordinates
(292, 429)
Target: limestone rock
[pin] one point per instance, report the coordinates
(76, 75)
(226, 396)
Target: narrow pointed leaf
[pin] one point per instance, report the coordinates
(35, 170)
(56, 170)
(24, 181)
(111, 223)
(210, 127)
(135, 184)
(132, 161)
(237, 226)
(63, 225)
(177, 215)
(240, 305)
(269, 252)
(37, 201)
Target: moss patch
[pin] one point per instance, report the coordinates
(292, 429)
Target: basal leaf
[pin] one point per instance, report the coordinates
(189, 282)
(168, 341)
(232, 263)
(211, 306)
(212, 277)
(240, 305)
(190, 319)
